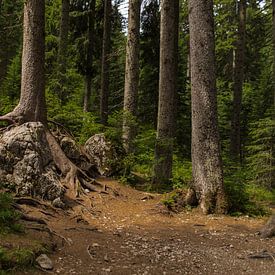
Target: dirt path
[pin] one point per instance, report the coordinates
(130, 234)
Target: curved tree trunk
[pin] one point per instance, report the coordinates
(206, 155)
(105, 62)
(235, 142)
(89, 61)
(167, 91)
(32, 104)
(131, 74)
(33, 57)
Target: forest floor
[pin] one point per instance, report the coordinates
(129, 232)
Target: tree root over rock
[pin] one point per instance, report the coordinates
(75, 178)
(46, 171)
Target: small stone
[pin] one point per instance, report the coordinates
(95, 245)
(106, 269)
(44, 262)
(58, 203)
(106, 258)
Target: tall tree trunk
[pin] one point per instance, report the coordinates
(33, 73)
(167, 90)
(63, 44)
(89, 61)
(131, 74)
(235, 142)
(105, 62)
(273, 109)
(206, 155)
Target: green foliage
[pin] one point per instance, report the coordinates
(144, 144)
(182, 173)
(245, 198)
(18, 257)
(10, 88)
(174, 201)
(261, 152)
(8, 217)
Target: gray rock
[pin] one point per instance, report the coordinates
(58, 203)
(101, 153)
(26, 163)
(268, 231)
(44, 262)
(70, 148)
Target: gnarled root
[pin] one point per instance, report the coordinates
(75, 178)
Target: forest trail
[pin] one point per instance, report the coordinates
(130, 233)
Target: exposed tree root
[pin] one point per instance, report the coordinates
(14, 117)
(263, 255)
(8, 118)
(33, 202)
(75, 178)
(50, 232)
(29, 218)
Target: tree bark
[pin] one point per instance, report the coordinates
(235, 142)
(167, 91)
(105, 62)
(206, 155)
(33, 59)
(89, 61)
(131, 74)
(62, 48)
(273, 107)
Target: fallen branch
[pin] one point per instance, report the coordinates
(263, 255)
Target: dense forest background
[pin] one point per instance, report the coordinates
(74, 63)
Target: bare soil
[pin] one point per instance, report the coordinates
(129, 232)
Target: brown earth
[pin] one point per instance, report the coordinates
(128, 232)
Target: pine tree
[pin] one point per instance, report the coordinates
(206, 155)
(167, 90)
(131, 74)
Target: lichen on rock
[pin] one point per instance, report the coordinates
(26, 163)
(102, 153)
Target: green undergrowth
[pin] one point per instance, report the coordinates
(15, 258)
(9, 218)
(18, 249)
(246, 197)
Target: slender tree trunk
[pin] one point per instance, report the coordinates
(235, 142)
(63, 44)
(206, 155)
(105, 62)
(89, 61)
(167, 91)
(273, 41)
(131, 74)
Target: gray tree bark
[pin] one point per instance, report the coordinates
(89, 61)
(167, 91)
(63, 44)
(273, 114)
(206, 155)
(105, 62)
(31, 106)
(235, 142)
(131, 74)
